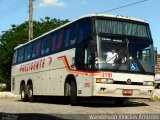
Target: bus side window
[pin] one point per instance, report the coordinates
(146, 55)
(36, 48)
(66, 37)
(53, 42)
(59, 40)
(45, 45)
(84, 29)
(20, 54)
(28, 49)
(72, 36)
(15, 57)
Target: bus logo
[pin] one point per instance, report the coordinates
(129, 81)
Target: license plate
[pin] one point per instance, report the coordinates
(127, 92)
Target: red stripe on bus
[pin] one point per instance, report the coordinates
(65, 61)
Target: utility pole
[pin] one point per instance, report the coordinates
(30, 20)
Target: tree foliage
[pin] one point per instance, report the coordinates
(18, 34)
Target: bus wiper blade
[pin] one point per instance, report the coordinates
(119, 60)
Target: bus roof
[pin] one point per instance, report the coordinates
(85, 16)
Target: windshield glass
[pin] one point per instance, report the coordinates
(119, 27)
(124, 54)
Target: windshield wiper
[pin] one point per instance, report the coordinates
(123, 54)
(126, 55)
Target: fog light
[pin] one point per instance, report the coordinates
(148, 83)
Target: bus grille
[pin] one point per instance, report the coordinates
(125, 83)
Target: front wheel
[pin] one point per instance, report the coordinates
(73, 94)
(24, 96)
(30, 93)
(67, 88)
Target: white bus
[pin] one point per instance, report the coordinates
(97, 55)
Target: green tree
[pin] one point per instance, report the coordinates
(18, 34)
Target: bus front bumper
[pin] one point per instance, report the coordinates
(126, 91)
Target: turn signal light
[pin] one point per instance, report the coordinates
(98, 80)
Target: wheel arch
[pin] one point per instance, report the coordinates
(29, 82)
(68, 79)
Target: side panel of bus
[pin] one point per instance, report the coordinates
(48, 77)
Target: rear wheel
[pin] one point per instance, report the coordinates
(30, 93)
(24, 96)
(73, 94)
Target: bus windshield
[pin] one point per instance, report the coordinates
(124, 46)
(128, 28)
(123, 54)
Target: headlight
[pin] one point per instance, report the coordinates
(109, 81)
(104, 80)
(148, 83)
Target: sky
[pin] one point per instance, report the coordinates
(16, 11)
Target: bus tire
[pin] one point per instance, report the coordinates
(67, 88)
(119, 101)
(73, 94)
(24, 96)
(31, 97)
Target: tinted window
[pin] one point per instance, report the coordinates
(122, 28)
(66, 37)
(45, 45)
(53, 42)
(20, 54)
(70, 35)
(15, 57)
(36, 48)
(79, 57)
(28, 51)
(59, 39)
(84, 29)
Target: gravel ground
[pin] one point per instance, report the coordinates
(47, 109)
(11, 95)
